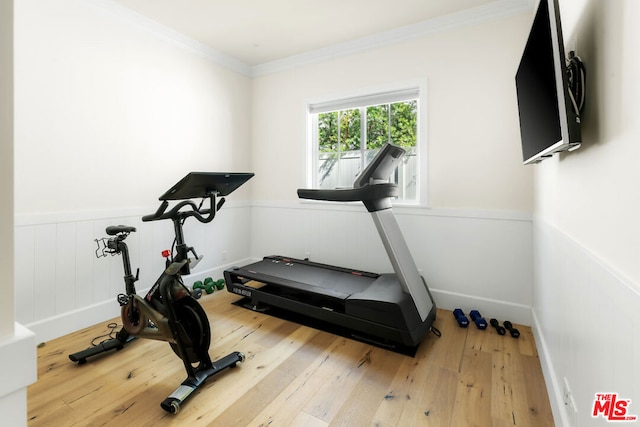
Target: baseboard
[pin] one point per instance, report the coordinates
(71, 321)
(489, 308)
(554, 390)
(66, 323)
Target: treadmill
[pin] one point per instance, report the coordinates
(392, 310)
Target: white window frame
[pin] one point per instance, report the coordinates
(416, 89)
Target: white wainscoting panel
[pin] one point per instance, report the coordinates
(60, 285)
(587, 327)
(470, 259)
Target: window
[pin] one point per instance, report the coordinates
(348, 133)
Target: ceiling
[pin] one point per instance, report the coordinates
(260, 31)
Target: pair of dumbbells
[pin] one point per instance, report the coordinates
(208, 285)
(475, 315)
(502, 330)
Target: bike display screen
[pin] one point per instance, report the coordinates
(200, 184)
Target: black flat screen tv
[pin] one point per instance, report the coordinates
(549, 117)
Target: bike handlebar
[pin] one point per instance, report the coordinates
(176, 213)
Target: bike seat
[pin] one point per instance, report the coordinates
(112, 230)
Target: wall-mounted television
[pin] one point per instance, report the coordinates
(550, 89)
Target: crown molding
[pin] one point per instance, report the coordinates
(491, 11)
(488, 12)
(140, 21)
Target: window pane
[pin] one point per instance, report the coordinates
(407, 176)
(349, 168)
(377, 126)
(404, 123)
(350, 130)
(343, 149)
(328, 170)
(328, 132)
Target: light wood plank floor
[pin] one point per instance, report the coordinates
(295, 375)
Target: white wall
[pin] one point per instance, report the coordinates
(587, 233)
(6, 165)
(472, 236)
(472, 140)
(109, 114)
(17, 344)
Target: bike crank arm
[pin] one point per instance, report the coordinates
(174, 401)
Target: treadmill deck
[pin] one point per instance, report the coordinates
(368, 305)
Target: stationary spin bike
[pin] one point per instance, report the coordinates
(168, 312)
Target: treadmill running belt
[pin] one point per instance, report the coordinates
(333, 283)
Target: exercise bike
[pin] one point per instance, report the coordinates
(169, 312)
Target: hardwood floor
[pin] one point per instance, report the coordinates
(295, 375)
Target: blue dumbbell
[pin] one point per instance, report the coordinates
(478, 319)
(462, 320)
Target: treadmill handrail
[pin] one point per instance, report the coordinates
(368, 192)
(375, 197)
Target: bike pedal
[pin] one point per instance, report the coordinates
(122, 299)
